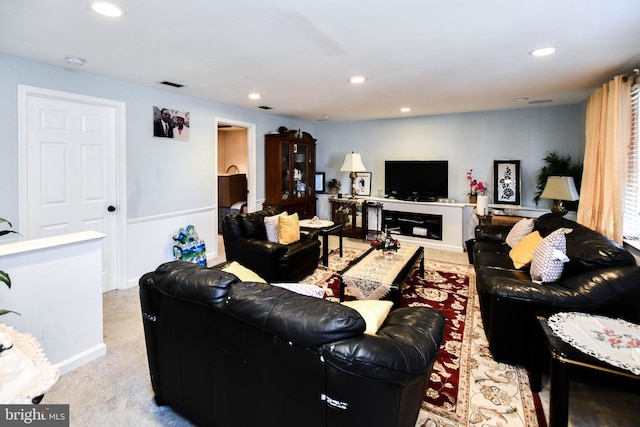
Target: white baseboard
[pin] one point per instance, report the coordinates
(81, 359)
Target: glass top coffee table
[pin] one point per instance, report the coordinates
(372, 276)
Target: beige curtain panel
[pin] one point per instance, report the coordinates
(608, 132)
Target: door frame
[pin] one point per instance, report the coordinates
(251, 157)
(24, 93)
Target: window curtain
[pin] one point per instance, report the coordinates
(608, 132)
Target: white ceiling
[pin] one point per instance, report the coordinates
(436, 57)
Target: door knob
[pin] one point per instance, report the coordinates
(111, 208)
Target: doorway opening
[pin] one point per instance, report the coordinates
(235, 167)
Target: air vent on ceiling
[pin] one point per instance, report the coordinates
(541, 101)
(171, 84)
(264, 107)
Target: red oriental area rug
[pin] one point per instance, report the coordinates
(467, 387)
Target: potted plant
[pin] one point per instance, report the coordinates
(476, 188)
(334, 186)
(4, 277)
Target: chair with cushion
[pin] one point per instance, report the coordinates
(289, 256)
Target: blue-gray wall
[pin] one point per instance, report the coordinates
(170, 176)
(467, 141)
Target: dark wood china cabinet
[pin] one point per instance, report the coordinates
(290, 164)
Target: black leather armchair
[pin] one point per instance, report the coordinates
(601, 277)
(245, 241)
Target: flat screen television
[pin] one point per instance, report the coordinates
(421, 180)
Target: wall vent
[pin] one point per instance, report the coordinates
(264, 107)
(541, 101)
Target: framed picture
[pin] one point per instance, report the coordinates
(363, 183)
(506, 181)
(320, 182)
(169, 123)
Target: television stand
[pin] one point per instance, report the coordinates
(443, 222)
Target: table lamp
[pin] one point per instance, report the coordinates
(560, 189)
(353, 163)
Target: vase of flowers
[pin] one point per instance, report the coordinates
(334, 186)
(476, 188)
(386, 243)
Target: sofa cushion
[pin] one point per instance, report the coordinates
(242, 272)
(288, 229)
(549, 257)
(253, 223)
(522, 253)
(519, 231)
(374, 312)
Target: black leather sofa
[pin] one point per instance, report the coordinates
(245, 241)
(229, 353)
(601, 277)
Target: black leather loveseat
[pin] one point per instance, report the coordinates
(229, 353)
(245, 241)
(600, 277)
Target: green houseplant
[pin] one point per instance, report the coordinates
(557, 165)
(4, 277)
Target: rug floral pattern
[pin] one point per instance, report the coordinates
(467, 387)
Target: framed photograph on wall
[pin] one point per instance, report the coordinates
(319, 182)
(363, 183)
(169, 123)
(506, 182)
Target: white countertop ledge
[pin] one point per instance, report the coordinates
(44, 243)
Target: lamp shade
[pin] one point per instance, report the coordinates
(560, 188)
(352, 163)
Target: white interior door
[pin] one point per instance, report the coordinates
(71, 162)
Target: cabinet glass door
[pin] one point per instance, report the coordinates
(284, 170)
(300, 170)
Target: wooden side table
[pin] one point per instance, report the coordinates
(563, 356)
(349, 212)
(505, 219)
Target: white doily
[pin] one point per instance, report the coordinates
(310, 223)
(611, 340)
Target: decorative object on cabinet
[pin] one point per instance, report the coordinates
(319, 182)
(363, 183)
(349, 212)
(353, 163)
(290, 172)
(334, 186)
(560, 189)
(506, 181)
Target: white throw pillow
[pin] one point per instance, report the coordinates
(271, 227)
(549, 257)
(303, 289)
(519, 231)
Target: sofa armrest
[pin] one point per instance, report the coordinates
(404, 347)
(492, 232)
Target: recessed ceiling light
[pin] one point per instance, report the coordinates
(255, 96)
(543, 51)
(74, 60)
(405, 109)
(357, 79)
(107, 9)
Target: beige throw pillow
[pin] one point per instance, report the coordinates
(522, 253)
(288, 228)
(372, 311)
